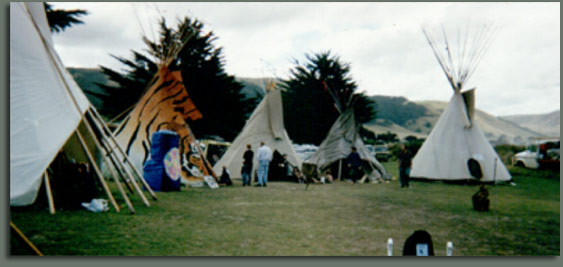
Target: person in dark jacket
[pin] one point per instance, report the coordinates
(225, 177)
(405, 161)
(246, 171)
(354, 164)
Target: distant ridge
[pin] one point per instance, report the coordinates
(547, 124)
(394, 113)
(497, 130)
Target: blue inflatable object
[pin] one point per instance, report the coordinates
(153, 169)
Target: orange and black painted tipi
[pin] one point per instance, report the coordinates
(165, 102)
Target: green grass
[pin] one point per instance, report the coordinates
(325, 220)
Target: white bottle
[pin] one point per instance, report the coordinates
(390, 247)
(449, 249)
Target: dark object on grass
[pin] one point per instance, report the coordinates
(310, 172)
(474, 168)
(481, 199)
(225, 177)
(418, 244)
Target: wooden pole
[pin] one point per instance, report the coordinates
(49, 193)
(120, 188)
(121, 175)
(340, 169)
(125, 157)
(98, 172)
(22, 236)
(117, 160)
(135, 185)
(113, 174)
(495, 172)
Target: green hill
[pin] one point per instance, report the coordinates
(394, 114)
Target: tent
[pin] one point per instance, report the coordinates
(457, 148)
(264, 125)
(165, 102)
(50, 114)
(335, 148)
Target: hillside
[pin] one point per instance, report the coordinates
(88, 79)
(497, 131)
(546, 124)
(394, 114)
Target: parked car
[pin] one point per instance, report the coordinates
(380, 152)
(541, 152)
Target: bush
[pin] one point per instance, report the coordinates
(506, 152)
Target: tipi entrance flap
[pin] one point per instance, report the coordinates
(276, 117)
(469, 101)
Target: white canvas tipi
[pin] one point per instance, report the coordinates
(457, 148)
(343, 135)
(47, 108)
(264, 125)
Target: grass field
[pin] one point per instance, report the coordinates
(326, 220)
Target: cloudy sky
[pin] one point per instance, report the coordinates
(382, 42)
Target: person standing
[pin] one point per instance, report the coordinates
(264, 157)
(246, 172)
(354, 164)
(405, 161)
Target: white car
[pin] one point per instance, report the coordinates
(545, 152)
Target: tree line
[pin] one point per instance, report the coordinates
(313, 94)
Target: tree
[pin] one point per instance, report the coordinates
(59, 19)
(367, 136)
(387, 137)
(315, 92)
(215, 93)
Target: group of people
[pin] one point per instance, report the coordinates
(265, 156)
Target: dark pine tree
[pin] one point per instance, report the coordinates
(312, 94)
(215, 93)
(60, 19)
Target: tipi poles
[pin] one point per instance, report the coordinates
(22, 236)
(116, 160)
(49, 193)
(123, 177)
(124, 155)
(109, 153)
(118, 183)
(106, 161)
(98, 172)
(133, 182)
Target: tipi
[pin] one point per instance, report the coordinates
(165, 102)
(49, 113)
(335, 148)
(264, 125)
(457, 148)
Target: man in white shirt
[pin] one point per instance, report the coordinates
(264, 158)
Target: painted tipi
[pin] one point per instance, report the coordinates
(165, 103)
